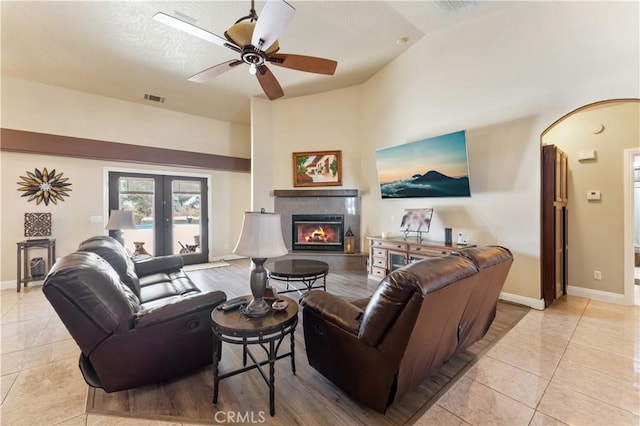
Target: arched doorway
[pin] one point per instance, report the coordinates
(599, 232)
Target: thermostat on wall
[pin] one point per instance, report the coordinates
(587, 155)
(593, 195)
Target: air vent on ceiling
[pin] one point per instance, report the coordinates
(457, 6)
(154, 98)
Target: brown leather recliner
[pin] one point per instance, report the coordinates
(379, 350)
(146, 326)
(493, 263)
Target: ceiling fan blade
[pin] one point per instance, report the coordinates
(304, 63)
(273, 19)
(269, 84)
(214, 71)
(190, 29)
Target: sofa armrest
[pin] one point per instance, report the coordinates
(154, 265)
(180, 308)
(333, 309)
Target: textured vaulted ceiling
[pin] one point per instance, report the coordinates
(116, 49)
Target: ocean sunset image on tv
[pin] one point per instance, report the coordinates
(433, 167)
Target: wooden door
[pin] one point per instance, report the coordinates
(554, 241)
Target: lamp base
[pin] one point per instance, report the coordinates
(256, 308)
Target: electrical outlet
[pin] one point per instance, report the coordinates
(597, 275)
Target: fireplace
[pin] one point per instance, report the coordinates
(317, 232)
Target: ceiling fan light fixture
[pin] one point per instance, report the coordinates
(253, 69)
(241, 33)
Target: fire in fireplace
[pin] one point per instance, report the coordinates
(317, 232)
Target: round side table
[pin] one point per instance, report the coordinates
(306, 271)
(269, 332)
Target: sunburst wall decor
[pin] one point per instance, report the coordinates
(44, 186)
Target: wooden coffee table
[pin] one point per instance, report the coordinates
(306, 271)
(268, 332)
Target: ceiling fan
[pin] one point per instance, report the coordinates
(256, 40)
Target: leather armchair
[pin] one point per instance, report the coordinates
(379, 349)
(132, 330)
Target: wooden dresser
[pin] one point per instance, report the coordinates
(386, 255)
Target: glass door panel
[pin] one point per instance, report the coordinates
(186, 214)
(138, 195)
(170, 213)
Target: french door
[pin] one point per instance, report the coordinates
(170, 213)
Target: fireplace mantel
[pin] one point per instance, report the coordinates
(315, 192)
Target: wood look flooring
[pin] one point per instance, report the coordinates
(305, 398)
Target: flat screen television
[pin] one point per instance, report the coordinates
(433, 167)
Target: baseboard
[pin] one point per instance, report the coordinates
(11, 284)
(4, 285)
(523, 300)
(604, 296)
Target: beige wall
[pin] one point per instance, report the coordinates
(496, 77)
(327, 121)
(596, 238)
(40, 108)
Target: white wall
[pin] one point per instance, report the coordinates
(504, 78)
(40, 108)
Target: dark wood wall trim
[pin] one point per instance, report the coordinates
(315, 192)
(66, 146)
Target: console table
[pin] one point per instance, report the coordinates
(388, 254)
(23, 259)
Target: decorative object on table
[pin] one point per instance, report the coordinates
(44, 186)
(317, 168)
(260, 238)
(37, 267)
(416, 220)
(270, 294)
(434, 167)
(280, 305)
(119, 220)
(448, 236)
(349, 242)
(139, 249)
(37, 225)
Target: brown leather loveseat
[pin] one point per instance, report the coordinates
(136, 323)
(377, 350)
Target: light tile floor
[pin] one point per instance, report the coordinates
(576, 363)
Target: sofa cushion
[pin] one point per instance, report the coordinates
(114, 253)
(86, 287)
(163, 285)
(395, 290)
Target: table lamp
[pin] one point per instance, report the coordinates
(260, 238)
(119, 220)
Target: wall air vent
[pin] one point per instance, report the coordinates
(154, 98)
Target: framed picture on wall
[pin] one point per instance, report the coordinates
(317, 168)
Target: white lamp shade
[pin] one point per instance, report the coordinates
(120, 219)
(261, 236)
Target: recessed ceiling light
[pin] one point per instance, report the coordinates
(402, 40)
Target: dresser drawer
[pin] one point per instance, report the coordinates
(378, 252)
(427, 251)
(378, 272)
(380, 262)
(393, 245)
